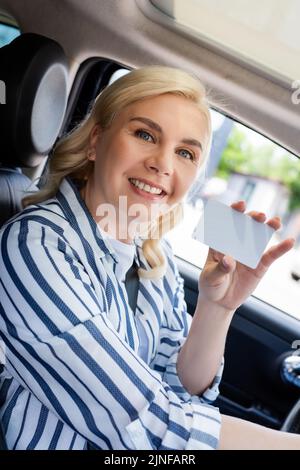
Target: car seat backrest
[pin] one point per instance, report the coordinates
(34, 73)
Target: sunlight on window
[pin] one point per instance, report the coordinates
(261, 32)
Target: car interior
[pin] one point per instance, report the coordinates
(66, 53)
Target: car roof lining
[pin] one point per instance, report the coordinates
(89, 29)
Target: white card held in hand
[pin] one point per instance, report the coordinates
(232, 233)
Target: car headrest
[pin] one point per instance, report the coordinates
(34, 72)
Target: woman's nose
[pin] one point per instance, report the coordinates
(161, 163)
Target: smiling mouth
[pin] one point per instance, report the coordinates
(146, 188)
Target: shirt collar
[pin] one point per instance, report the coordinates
(81, 219)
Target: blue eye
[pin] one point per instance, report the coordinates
(186, 154)
(144, 135)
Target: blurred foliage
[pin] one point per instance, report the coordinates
(267, 160)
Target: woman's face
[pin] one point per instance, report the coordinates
(150, 154)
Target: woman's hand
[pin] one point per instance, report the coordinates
(227, 282)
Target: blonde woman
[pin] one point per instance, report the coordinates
(82, 365)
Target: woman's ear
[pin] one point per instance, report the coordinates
(95, 134)
(91, 154)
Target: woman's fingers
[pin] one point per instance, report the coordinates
(214, 255)
(256, 215)
(216, 273)
(239, 206)
(225, 263)
(274, 222)
(276, 251)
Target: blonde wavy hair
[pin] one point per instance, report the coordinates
(69, 157)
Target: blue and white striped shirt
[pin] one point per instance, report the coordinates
(80, 365)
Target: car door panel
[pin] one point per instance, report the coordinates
(259, 338)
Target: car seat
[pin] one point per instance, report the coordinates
(34, 72)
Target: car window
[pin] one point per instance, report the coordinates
(8, 33)
(269, 40)
(245, 165)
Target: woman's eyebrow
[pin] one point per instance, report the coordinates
(157, 128)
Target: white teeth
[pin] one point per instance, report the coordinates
(145, 187)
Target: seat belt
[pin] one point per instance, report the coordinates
(132, 288)
(132, 285)
(3, 445)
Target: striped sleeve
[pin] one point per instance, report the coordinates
(62, 348)
(172, 338)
